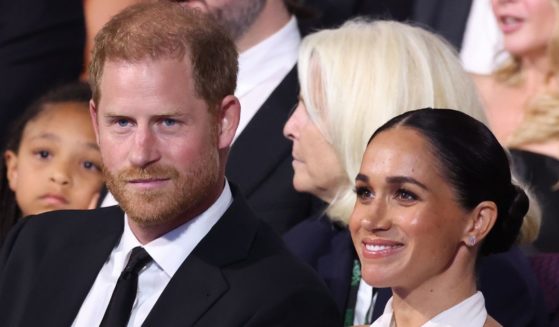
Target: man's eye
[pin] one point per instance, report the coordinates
(123, 122)
(169, 122)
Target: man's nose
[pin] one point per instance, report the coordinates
(144, 148)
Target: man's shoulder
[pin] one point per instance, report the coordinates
(65, 225)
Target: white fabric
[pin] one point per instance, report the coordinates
(482, 40)
(365, 301)
(468, 313)
(263, 67)
(168, 252)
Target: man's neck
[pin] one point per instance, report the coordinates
(273, 17)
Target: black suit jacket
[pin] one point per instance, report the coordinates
(511, 291)
(260, 162)
(240, 274)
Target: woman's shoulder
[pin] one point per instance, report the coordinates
(490, 322)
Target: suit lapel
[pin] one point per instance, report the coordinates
(199, 282)
(261, 146)
(335, 266)
(66, 279)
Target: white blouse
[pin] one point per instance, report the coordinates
(468, 313)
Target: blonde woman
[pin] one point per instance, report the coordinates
(521, 99)
(353, 79)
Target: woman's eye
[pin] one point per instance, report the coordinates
(363, 193)
(406, 195)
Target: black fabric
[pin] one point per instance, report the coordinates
(41, 46)
(124, 294)
(240, 274)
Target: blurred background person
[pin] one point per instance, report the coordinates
(353, 79)
(41, 46)
(51, 160)
(521, 99)
(433, 193)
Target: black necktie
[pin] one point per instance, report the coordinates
(124, 294)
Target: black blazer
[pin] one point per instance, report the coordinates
(512, 294)
(240, 274)
(260, 162)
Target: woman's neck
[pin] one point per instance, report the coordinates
(536, 70)
(414, 306)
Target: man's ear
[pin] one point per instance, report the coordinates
(228, 120)
(481, 220)
(10, 158)
(94, 120)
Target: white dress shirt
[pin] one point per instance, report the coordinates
(168, 253)
(263, 67)
(468, 313)
(364, 304)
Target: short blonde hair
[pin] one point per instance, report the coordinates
(369, 72)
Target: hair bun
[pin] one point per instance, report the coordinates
(508, 223)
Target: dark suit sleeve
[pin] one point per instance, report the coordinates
(305, 308)
(7, 246)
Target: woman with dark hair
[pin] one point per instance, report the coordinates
(434, 192)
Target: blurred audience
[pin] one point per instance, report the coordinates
(522, 102)
(41, 45)
(353, 79)
(51, 160)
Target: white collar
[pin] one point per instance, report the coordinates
(259, 62)
(171, 249)
(468, 313)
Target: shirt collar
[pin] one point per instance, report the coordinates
(470, 312)
(258, 63)
(171, 249)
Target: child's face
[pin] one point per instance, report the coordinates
(58, 162)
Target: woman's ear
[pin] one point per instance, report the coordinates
(481, 220)
(10, 158)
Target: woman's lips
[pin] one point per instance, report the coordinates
(376, 249)
(510, 24)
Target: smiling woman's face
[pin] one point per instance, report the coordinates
(406, 225)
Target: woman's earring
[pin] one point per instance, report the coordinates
(471, 240)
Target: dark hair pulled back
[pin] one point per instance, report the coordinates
(475, 164)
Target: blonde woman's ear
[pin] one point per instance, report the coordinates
(483, 218)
